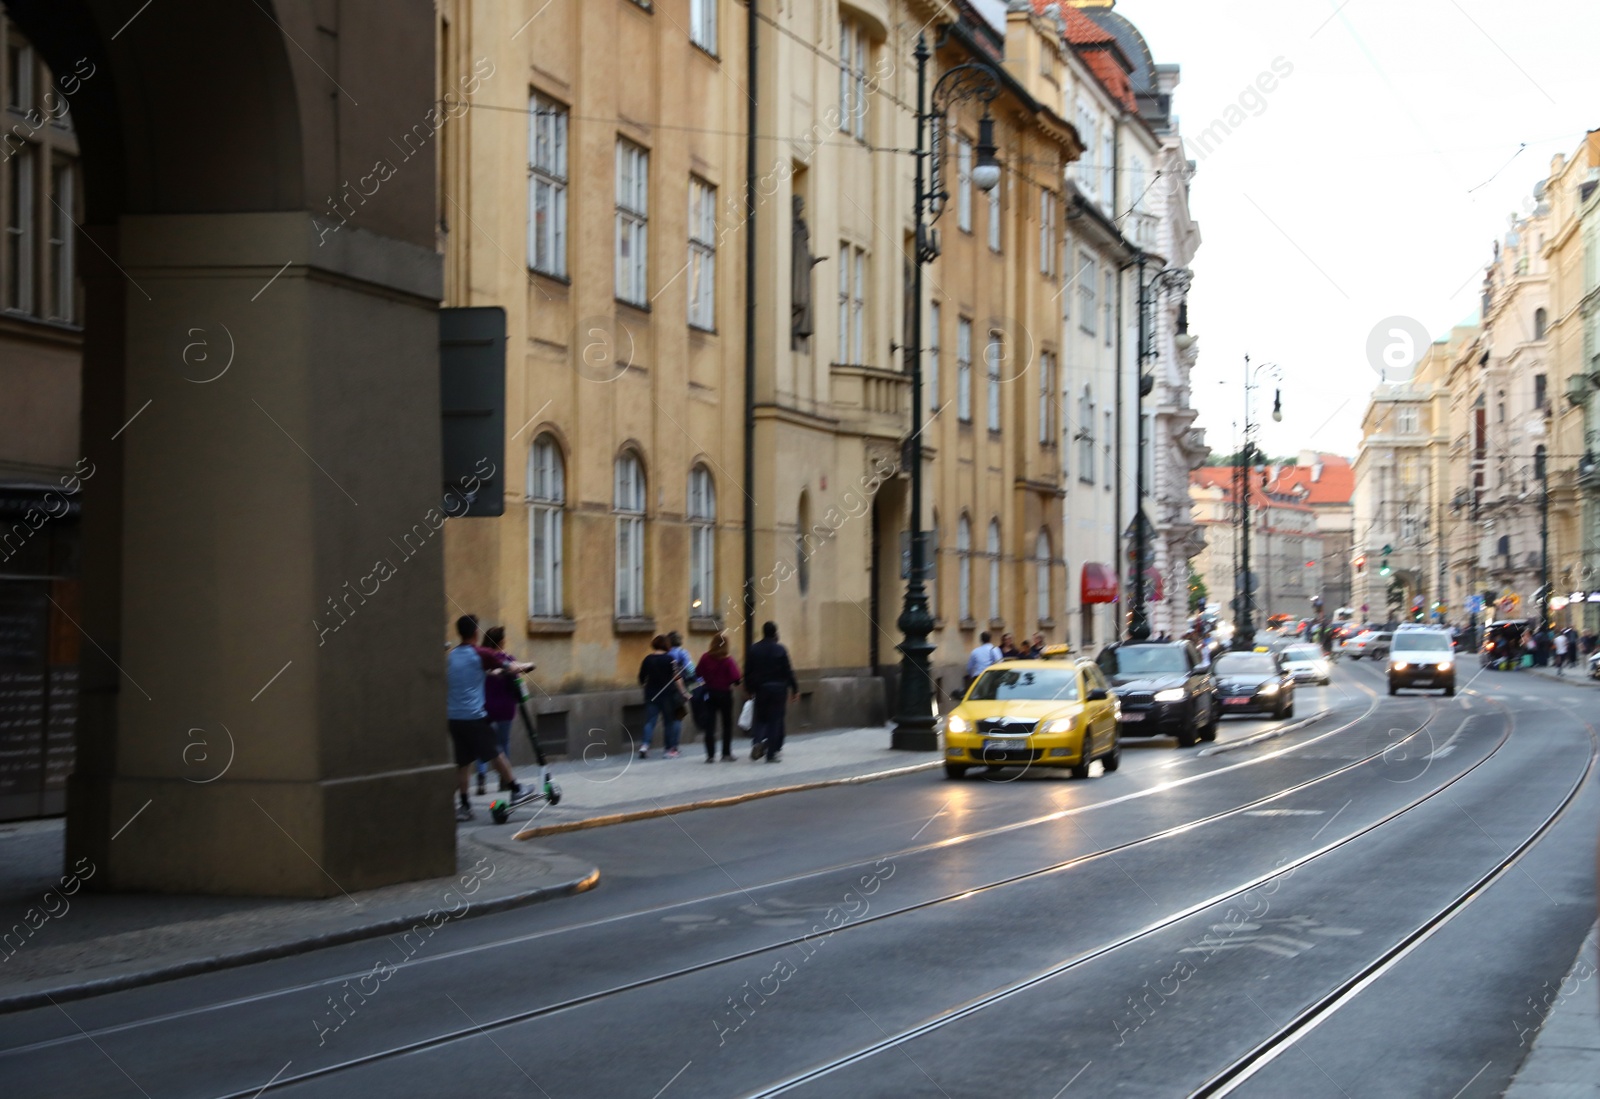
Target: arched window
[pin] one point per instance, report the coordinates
(994, 569)
(702, 543)
(1041, 553)
(964, 566)
(547, 501)
(1541, 323)
(802, 554)
(627, 502)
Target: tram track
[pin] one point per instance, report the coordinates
(484, 1026)
(445, 957)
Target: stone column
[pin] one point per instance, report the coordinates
(264, 708)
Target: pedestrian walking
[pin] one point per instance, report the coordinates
(1035, 649)
(981, 657)
(719, 674)
(1560, 644)
(501, 695)
(663, 697)
(769, 679)
(1008, 647)
(681, 658)
(470, 732)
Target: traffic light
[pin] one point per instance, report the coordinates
(1384, 569)
(1361, 563)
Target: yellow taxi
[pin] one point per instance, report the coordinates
(1034, 713)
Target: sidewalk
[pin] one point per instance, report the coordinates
(611, 789)
(65, 947)
(1565, 1060)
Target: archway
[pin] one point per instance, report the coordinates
(260, 409)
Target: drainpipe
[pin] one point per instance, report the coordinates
(750, 333)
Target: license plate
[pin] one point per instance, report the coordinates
(1423, 682)
(1133, 716)
(1005, 745)
(1236, 702)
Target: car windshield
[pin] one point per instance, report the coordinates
(1144, 659)
(1026, 685)
(1245, 664)
(1303, 652)
(1422, 641)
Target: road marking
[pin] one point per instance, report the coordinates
(1284, 812)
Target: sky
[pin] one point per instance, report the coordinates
(1371, 184)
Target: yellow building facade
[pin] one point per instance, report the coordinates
(594, 187)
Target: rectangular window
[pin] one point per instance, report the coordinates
(19, 254)
(1085, 436)
(19, 77)
(1406, 421)
(63, 245)
(1047, 398)
(1047, 234)
(703, 24)
(1088, 276)
(992, 356)
(931, 379)
(547, 186)
(1541, 393)
(964, 184)
(1084, 169)
(1110, 467)
(853, 80)
(1108, 171)
(994, 219)
(964, 370)
(852, 303)
(702, 254)
(1109, 306)
(1067, 288)
(633, 223)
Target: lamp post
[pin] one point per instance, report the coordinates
(1244, 634)
(914, 723)
(1174, 280)
(1541, 470)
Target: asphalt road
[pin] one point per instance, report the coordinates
(1365, 906)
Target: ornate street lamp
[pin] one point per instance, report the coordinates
(1174, 280)
(914, 722)
(1244, 634)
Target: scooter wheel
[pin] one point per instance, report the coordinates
(500, 813)
(553, 795)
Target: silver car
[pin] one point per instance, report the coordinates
(1308, 664)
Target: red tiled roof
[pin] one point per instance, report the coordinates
(1222, 477)
(1337, 485)
(1099, 49)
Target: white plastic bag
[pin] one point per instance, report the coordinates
(747, 715)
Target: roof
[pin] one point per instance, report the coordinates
(1335, 486)
(1100, 49)
(1222, 477)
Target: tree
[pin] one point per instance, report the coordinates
(1198, 592)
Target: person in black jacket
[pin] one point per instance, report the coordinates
(769, 677)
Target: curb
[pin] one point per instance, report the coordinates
(47, 996)
(716, 803)
(1292, 727)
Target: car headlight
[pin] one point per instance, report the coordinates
(1400, 665)
(1171, 694)
(955, 723)
(1267, 689)
(1059, 725)
(1446, 665)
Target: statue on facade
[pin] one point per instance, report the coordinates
(801, 261)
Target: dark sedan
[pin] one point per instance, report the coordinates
(1165, 689)
(1254, 683)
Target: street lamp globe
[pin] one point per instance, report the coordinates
(986, 174)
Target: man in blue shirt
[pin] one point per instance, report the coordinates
(983, 656)
(470, 730)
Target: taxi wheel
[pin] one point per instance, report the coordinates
(955, 770)
(1080, 770)
(1112, 759)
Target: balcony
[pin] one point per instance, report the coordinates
(872, 402)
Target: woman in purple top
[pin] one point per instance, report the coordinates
(720, 673)
(500, 694)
